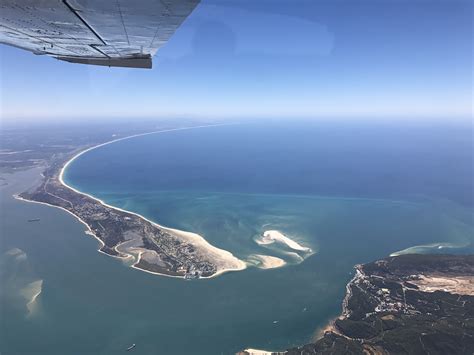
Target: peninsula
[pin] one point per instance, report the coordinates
(148, 246)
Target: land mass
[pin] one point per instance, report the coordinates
(408, 304)
(123, 234)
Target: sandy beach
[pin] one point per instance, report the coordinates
(224, 260)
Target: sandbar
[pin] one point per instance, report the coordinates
(272, 236)
(266, 261)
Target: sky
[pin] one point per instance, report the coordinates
(317, 59)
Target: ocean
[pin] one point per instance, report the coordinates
(352, 192)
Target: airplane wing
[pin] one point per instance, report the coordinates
(116, 33)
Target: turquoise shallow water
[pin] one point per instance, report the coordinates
(326, 187)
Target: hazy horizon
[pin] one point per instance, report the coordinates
(270, 59)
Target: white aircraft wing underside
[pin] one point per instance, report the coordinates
(123, 33)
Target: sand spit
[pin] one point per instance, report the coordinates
(426, 248)
(266, 261)
(224, 260)
(272, 236)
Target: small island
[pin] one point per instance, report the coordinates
(123, 234)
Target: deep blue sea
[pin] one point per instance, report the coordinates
(352, 192)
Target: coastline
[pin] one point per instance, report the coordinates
(192, 238)
(391, 301)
